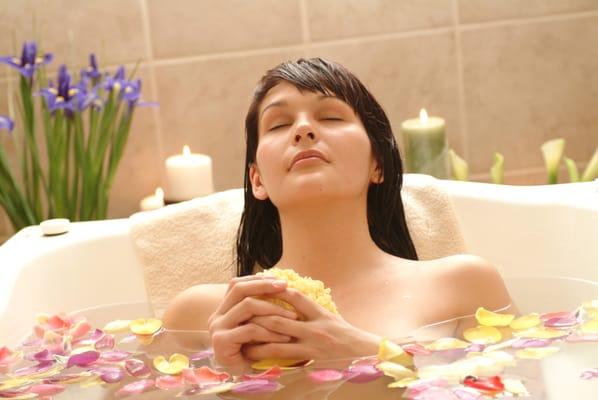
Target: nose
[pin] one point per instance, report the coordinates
(304, 129)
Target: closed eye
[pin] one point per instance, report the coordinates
(278, 126)
(324, 119)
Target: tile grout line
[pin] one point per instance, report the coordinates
(460, 82)
(153, 84)
(528, 21)
(305, 34)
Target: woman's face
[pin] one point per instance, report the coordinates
(290, 122)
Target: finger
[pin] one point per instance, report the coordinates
(247, 278)
(282, 325)
(276, 350)
(254, 287)
(303, 304)
(248, 333)
(248, 308)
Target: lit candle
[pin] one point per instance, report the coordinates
(153, 202)
(188, 176)
(425, 146)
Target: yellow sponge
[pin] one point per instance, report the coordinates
(312, 288)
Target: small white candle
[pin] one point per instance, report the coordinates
(188, 176)
(153, 202)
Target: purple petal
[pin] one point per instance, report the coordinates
(475, 347)
(255, 386)
(6, 123)
(83, 359)
(137, 368)
(97, 335)
(362, 373)
(135, 388)
(116, 355)
(565, 322)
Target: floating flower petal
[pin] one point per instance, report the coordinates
(271, 374)
(447, 343)
(167, 382)
(83, 359)
(390, 351)
(119, 325)
(536, 353)
(489, 318)
(526, 321)
(142, 326)
(395, 370)
(174, 365)
(135, 388)
(204, 375)
(255, 386)
(483, 335)
(325, 375)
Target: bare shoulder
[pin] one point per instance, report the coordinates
(471, 282)
(191, 308)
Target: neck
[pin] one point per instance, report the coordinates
(330, 242)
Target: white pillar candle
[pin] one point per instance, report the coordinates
(188, 176)
(153, 202)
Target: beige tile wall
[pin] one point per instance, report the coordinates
(506, 75)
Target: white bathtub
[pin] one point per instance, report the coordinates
(524, 230)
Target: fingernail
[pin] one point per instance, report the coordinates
(279, 283)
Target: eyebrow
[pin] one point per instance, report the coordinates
(281, 103)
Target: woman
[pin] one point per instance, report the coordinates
(322, 196)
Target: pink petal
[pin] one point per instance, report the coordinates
(559, 314)
(135, 388)
(39, 331)
(33, 369)
(561, 322)
(114, 356)
(467, 394)
(362, 373)
(80, 329)
(167, 382)
(475, 347)
(106, 342)
(137, 368)
(83, 359)
(416, 349)
(256, 386)
(203, 375)
(202, 355)
(109, 374)
(590, 373)
(58, 322)
(97, 335)
(47, 389)
(525, 343)
(326, 375)
(271, 374)
(5, 353)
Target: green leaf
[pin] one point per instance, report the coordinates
(497, 170)
(458, 166)
(572, 170)
(552, 151)
(591, 171)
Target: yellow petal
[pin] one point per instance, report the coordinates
(174, 365)
(541, 333)
(395, 370)
(284, 364)
(390, 351)
(515, 386)
(13, 383)
(402, 383)
(536, 353)
(483, 335)
(447, 343)
(526, 321)
(489, 318)
(142, 326)
(119, 325)
(224, 387)
(590, 326)
(42, 318)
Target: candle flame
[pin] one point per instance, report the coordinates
(186, 150)
(159, 193)
(423, 116)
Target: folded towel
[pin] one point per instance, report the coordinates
(192, 242)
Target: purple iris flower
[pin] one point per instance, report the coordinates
(68, 97)
(6, 123)
(91, 71)
(29, 60)
(117, 81)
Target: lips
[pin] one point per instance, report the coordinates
(307, 154)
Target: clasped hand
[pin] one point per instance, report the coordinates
(245, 328)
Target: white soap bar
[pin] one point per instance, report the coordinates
(55, 226)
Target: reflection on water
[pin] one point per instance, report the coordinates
(554, 377)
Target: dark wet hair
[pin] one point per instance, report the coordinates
(259, 237)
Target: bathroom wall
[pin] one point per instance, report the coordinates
(506, 75)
